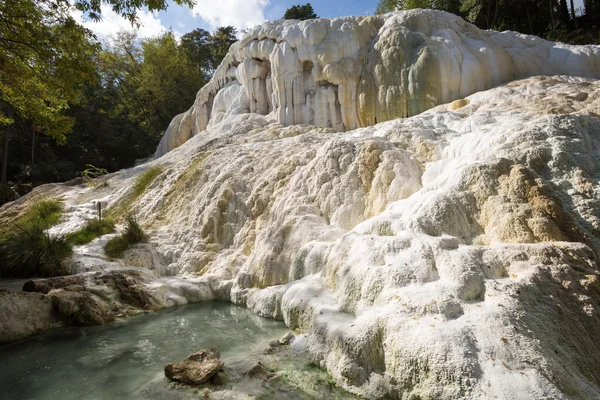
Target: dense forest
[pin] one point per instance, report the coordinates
(557, 20)
(70, 105)
(70, 102)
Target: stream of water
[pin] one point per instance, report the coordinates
(124, 359)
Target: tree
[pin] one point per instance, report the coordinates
(168, 80)
(220, 42)
(300, 12)
(385, 6)
(197, 44)
(45, 58)
(125, 8)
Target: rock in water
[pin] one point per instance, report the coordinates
(198, 368)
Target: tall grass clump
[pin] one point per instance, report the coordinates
(91, 230)
(27, 250)
(132, 234)
(44, 213)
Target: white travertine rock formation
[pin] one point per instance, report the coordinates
(449, 255)
(352, 72)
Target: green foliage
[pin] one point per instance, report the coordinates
(132, 234)
(91, 230)
(134, 90)
(115, 247)
(133, 231)
(197, 45)
(27, 250)
(552, 19)
(125, 8)
(145, 179)
(91, 174)
(44, 213)
(31, 252)
(220, 42)
(300, 12)
(45, 58)
(386, 6)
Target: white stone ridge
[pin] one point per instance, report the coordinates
(449, 255)
(351, 72)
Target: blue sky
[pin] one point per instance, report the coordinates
(210, 14)
(207, 16)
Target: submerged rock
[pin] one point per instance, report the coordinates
(197, 369)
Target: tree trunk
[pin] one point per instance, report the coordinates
(497, 6)
(551, 13)
(32, 151)
(529, 21)
(573, 14)
(3, 177)
(563, 12)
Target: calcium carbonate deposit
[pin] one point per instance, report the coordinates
(452, 254)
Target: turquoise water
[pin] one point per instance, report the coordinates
(125, 360)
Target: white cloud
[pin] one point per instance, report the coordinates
(112, 23)
(242, 14)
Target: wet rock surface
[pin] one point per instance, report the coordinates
(24, 314)
(58, 282)
(286, 372)
(198, 368)
(79, 300)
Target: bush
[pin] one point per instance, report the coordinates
(91, 174)
(133, 231)
(26, 248)
(91, 230)
(116, 246)
(132, 234)
(31, 251)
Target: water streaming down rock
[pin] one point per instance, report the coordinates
(452, 254)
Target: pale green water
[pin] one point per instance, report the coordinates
(125, 360)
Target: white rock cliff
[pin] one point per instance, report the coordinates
(352, 72)
(449, 255)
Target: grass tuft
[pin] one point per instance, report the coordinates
(132, 234)
(144, 180)
(30, 251)
(45, 213)
(91, 230)
(26, 248)
(124, 205)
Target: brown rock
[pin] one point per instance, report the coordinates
(24, 314)
(46, 285)
(258, 371)
(80, 308)
(198, 368)
(220, 378)
(130, 288)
